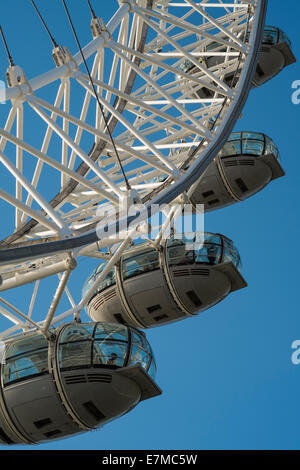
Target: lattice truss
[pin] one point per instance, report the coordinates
(148, 64)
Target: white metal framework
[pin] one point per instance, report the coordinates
(62, 180)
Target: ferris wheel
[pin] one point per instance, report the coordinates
(138, 119)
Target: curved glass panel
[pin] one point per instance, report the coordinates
(139, 339)
(232, 148)
(140, 350)
(25, 358)
(103, 344)
(75, 346)
(249, 143)
(111, 344)
(87, 285)
(139, 263)
(211, 250)
(231, 254)
(270, 147)
(108, 281)
(207, 250)
(270, 35)
(252, 147)
(152, 369)
(177, 254)
(283, 38)
(85, 346)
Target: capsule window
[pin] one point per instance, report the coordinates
(178, 254)
(252, 147)
(152, 369)
(270, 36)
(140, 340)
(76, 346)
(140, 350)
(108, 281)
(102, 344)
(108, 331)
(231, 148)
(271, 148)
(140, 263)
(111, 353)
(210, 252)
(25, 358)
(75, 354)
(139, 356)
(231, 254)
(110, 345)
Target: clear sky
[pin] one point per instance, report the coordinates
(227, 377)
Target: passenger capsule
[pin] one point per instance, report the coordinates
(152, 287)
(83, 377)
(248, 162)
(275, 54)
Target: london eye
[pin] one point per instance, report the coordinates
(141, 116)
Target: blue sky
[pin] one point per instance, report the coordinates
(227, 376)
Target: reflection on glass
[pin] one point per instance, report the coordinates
(75, 354)
(231, 254)
(177, 254)
(26, 358)
(79, 346)
(111, 353)
(208, 249)
(111, 331)
(108, 281)
(249, 143)
(271, 35)
(133, 265)
(139, 356)
(152, 369)
(104, 344)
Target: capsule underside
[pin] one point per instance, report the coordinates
(233, 179)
